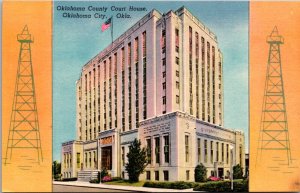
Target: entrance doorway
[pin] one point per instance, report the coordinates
(221, 172)
(106, 158)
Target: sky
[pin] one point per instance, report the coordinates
(76, 41)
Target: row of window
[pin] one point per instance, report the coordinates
(205, 115)
(67, 160)
(165, 175)
(90, 159)
(108, 116)
(156, 175)
(157, 151)
(164, 68)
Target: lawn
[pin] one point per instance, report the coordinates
(126, 183)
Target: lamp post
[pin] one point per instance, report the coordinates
(231, 165)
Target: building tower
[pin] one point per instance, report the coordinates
(274, 125)
(24, 124)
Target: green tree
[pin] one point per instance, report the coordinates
(237, 172)
(137, 160)
(56, 170)
(200, 173)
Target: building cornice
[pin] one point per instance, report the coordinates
(129, 132)
(185, 116)
(214, 137)
(72, 142)
(184, 10)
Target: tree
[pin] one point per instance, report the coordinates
(56, 170)
(200, 173)
(137, 160)
(237, 172)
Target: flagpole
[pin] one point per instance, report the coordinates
(112, 29)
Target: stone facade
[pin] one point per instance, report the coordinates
(160, 82)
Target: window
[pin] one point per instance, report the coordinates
(136, 49)
(197, 44)
(211, 151)
(95, 159)
(164, 99)
(164, 61)
(90, 159)
(186, 148)
(86, 160)
(177, 99)
(144, 43)
(163, 39)
(156, 175)
(199, 150)
(217, 151)
(123, 156)
(177, 60)
(157, 150)
(176, 40)
(149, 150)
(177, 84)
(166, 175)
(241, 153)
(65, 160)
(205, 151)
(177, 73)
(164, 74)
(187, 175)
(190, 40)
(166, 149)
(227, 153)
(148, 175)
(222, 152)
(164, 85)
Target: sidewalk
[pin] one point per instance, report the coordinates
(116, 187)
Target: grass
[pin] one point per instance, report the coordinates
(141, 183)
(126, 183)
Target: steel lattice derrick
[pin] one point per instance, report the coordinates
(24, 124)
(274, 125)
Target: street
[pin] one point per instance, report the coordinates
(66, 188)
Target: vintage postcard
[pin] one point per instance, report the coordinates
(150, 96)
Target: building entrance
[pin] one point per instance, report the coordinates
(106, 158)
(220, 172)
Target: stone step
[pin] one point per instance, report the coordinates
(87, 175)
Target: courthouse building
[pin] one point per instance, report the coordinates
(161, 82)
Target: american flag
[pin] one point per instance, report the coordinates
(106, 25)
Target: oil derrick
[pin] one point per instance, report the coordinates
(274, 133)
(24, 124)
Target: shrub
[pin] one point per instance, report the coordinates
(94, 181)
(103, 173)
(69, 179)
(116, 179)
(106, 179)
(237, 172)
(137, 160)
(171, 185)
(213, 178)
(223, 186)
(200, 173)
